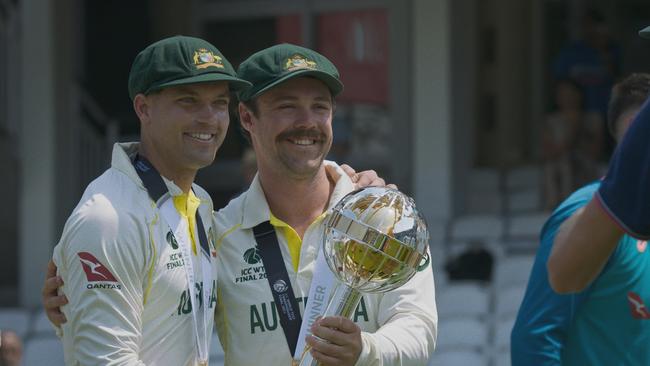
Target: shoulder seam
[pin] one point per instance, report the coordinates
(223, 236)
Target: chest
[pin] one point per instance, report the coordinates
(623, 288)
(245, 293)
(168, 275)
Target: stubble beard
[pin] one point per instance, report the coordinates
(299, 167)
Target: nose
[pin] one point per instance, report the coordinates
(210, 114)
(305, 118)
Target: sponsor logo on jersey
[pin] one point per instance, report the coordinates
(637, 306)
(641, 245)
(95, 270)
(97, 274)
(264, 317)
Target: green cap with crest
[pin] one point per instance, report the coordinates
(180, 60)
(277, 64)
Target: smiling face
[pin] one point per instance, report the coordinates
(183, 126)
(291, 130)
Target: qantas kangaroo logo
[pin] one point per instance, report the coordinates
(637, 307)
(95, 270)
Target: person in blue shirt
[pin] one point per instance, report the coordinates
(593, 61)
(607, 322)
(620, 206)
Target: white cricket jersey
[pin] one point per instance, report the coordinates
(399, 327)
(124, 275)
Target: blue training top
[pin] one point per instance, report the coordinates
(606, 324)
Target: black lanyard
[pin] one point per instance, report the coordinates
(278, 278)
(157, 188)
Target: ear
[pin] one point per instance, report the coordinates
(142, 108)
(245, 117)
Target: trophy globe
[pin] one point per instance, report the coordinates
(375, 241)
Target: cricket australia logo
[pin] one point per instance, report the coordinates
(252, 256)
(204, 59)
(297, 61)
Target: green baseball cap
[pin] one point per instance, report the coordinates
(645, 32)
(180, 60)
(277, 64)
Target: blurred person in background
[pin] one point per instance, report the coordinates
(604, 324)
(571, 143)
(593, 61)
(11, 348)
(620, 206)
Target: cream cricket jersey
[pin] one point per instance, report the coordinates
(399, 327)
(124, 275)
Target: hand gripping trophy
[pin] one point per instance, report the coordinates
(375, 241)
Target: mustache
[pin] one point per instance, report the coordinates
(302, 133)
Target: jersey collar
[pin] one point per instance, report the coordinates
(256, 208)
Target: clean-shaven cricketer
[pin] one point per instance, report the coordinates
(139, 243)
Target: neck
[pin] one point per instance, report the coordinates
(298, 202)
(182, 178)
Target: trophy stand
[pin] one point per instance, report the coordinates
(343, 302)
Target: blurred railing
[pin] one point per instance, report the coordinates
(97, 134)
(9, 71)
(9, 148)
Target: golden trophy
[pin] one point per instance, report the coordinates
(375, 241)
